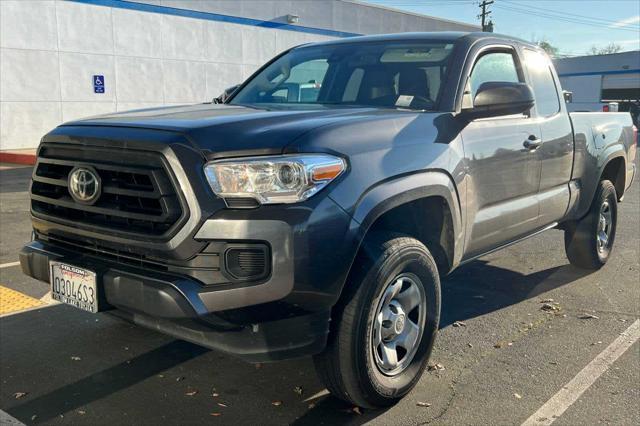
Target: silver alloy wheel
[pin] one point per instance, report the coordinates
(398, 324)
(604, 227)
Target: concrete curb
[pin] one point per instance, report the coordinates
(16, 157)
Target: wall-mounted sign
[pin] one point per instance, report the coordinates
(98, 84)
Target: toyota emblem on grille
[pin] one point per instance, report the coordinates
(84, 185)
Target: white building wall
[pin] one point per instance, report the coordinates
(50, 50)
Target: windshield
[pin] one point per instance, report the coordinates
(389, 74)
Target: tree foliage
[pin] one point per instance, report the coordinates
(606, 50)
(548, 47)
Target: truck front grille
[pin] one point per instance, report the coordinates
(138, 195)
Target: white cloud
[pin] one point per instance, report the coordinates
(626, 22)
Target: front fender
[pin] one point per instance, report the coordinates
(400, 190)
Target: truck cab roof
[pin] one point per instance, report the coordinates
(452, 36)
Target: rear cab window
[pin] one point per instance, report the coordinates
(543, 83)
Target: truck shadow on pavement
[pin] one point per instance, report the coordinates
(150, 384)
(480, 288)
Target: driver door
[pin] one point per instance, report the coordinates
(503, 175)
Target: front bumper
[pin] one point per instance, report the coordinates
(182, 307)
(285, 315)
(168, 295)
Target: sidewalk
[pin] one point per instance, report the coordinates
(19, 156)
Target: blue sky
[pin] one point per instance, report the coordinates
(571, 25)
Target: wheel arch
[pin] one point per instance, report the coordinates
(611, 165)
(423, 205)
(614, 170)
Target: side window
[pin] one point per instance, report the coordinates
(544, 86)
(496, 66)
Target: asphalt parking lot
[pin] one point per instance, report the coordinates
(501, 356)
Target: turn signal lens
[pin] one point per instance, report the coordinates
(328, 172)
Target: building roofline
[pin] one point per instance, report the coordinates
(406, 12)
(598, 56)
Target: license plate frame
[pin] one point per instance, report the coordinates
(74, 286)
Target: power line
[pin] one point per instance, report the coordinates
(561, 18)
(562, 14)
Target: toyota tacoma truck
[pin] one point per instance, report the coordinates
(313, 209)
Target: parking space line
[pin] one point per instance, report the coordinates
(9, 265)
(570, 393)
(9, 420)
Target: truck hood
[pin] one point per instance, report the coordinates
(227, 130)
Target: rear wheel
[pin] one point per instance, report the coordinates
(385, 325)
(589, 241)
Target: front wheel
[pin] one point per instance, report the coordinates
(589, 241)
(385, 325)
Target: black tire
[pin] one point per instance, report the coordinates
(581, 237)
(348, 365)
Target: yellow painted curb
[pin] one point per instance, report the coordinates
(13, 301)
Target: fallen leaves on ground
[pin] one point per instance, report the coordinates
(517, 395)
(75, 358)
(191, 392)
(216, 414)
(423, 404)
(81, 412)
(353, 410)
(19, 395)
(588, 316)
(222, 405)
(179, 379)
(435, 367)
(550, 307)
(276, 403)
(459, 324)
(298, 390)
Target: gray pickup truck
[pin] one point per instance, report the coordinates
(313, 209)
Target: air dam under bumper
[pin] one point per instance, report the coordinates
(166, 295)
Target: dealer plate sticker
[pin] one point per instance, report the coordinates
(74, 286)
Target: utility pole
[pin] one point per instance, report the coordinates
(485, 13)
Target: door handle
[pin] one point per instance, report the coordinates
(532, 143)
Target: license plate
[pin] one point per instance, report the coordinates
(74, 286)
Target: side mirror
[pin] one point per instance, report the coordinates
(496, 98)
(225, 95)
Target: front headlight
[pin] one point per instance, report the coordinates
(276, 179)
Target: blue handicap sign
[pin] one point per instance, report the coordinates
(98, 84)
